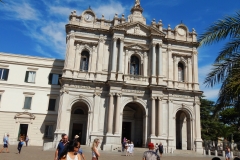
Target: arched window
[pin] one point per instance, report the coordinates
(78, 111)
(180, 72)
(84, 61)
(134, 65)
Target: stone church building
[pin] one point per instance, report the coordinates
(124, 78)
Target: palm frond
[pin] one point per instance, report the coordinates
(229, 49)
(221, 70)
(229, 26)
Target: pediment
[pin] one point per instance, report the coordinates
(24, 115)
(136, 47)
(139, 29)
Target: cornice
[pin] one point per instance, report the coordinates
(27, 87)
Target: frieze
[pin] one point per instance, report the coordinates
(181, 96)
(132, 91)
(80, 87)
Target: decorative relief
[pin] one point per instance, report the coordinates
(181, 96)
(132, 91)
(137, 29)
(80, 86)
(64, 91)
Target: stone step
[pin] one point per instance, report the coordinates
(178, 151)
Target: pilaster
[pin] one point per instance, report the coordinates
(110, 115)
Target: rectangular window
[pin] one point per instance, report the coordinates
(48, 133)
(27, 103)
(51, 104)
(54, 78)
(30, 76)
(4, 74)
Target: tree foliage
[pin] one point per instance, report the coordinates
(226, 69)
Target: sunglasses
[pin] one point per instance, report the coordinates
(77, 147)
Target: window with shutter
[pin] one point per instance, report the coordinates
(84, 61)
(134, 65)
(180, 72)
(48, 133)
(30, 76)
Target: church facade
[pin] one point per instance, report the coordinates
(120, 78)
(123, 78)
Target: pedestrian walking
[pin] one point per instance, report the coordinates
(5, 143)
(61, 146)
(94, 148)
(150, 154)
(131, 148)
(156, 148)
(70, 150)
(160, 148)
(126, 148)
(80, 151)
(20, 144)
(228, 153)
(123, 144)
(26, 140)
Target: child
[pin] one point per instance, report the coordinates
(131, 148)
(20, 144)
(127, 148)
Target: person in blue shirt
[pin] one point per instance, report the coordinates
(5, 143)
(61, 146)
(20, 144)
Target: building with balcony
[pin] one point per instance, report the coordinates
(120, 78)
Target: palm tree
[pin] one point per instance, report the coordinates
(226, 68)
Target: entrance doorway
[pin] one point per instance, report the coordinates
(126, 130)
(23, 128)
(133, 127)
(79, 121)
(183, 131)
(77, 130)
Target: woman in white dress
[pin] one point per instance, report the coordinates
(70, 150)
(131, 148)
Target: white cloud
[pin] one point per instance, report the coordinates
(21, 11)
(109, 10)
(41, 51)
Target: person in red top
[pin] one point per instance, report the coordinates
(151, 154)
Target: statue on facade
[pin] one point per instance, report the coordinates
(137, 3)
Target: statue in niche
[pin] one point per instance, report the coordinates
(137, 3)
(137, 29)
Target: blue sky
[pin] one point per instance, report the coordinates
(37, 27)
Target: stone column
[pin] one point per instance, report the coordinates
(145, 65)
(195, 71)
(117, 118)
(69, 62)
(198, 140)
(126, 62)
(160, 63)
(120, 59)
(153, 117)
(153, 59)
(110, 114)
(99, 55)
(175, 68)
(170, 66)
(96, 112)
(114, 53)
(90, 62)
(160, 116)
(190, 72)
(171, 126)
(76, 60)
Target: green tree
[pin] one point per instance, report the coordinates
(226, 68)
(209, 123)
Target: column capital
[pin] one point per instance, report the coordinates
(160, 45)
(153, 98)
(77, 47)
(145, 54)
(97, 94)
(170, 101)
(196, 103)
(111, 94)
(101, 40)
(153, 44)
(121, 39)
(195, 52)
(169, 50)
(115, 39)
(160, 98)
(118, 94)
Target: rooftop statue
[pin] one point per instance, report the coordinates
(137, 3)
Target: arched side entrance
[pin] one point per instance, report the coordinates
(183, 130)
(133, 127)
(78, 122)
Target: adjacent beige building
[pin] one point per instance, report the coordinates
(120, 78)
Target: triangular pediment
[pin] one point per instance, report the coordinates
(137, 47)
(138, 28)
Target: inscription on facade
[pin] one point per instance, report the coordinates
(81, 87)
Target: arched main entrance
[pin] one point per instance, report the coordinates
(79, 121)
(133, 123)
(183, 130)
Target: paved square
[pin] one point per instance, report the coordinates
(36, 153)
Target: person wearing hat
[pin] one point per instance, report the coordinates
(150, 154)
